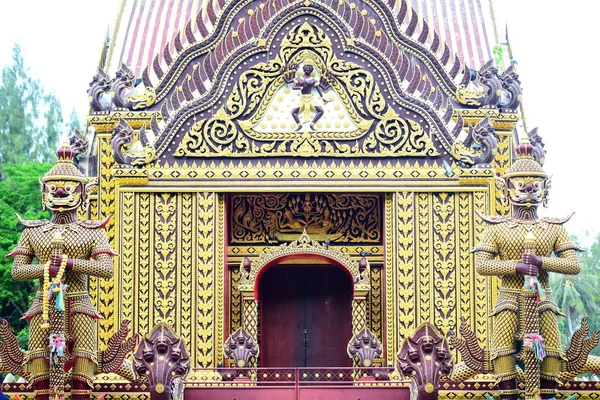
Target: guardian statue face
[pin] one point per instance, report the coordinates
(526, 191)
(62, 195)
(525, 184)
(64, 187)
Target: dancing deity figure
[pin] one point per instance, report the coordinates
(306, 82)
(68, 251)
(518, 249)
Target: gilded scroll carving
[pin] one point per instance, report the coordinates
(246, 127)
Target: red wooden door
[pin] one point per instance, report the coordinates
(305, 316)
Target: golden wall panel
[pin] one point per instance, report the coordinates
(405, 265)
(444, 248)
(486, 288)
(185, 268)
(424, 259)
(205, 284)
(502, 163)
(172, 257)
(165, 258)
(390, 276)
(93, 215)
(167, 267)
(220, 280)
(145, 255)
(106, 303)
(235, 300)
(126, 259)
(250, 317)
(435, 278)
(374, 310)
(466, 291)
(359, 315)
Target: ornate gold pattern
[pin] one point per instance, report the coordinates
(343, 218)
(382, 132)
(425, 259)
(359, 315)
(502, 162)
(304, 245)
(126, 259)
(145, 261)
(236, 254)
(468, 97)
(185, 268)
(374, 312)
(390, 276)
(466, 288)
(250, 317)
(165, 258)
(220, 278)
(444, 266)
(205, 295)
(486, 288)
(235, 300)
(406, 257)
(229, 173)
(106, 299)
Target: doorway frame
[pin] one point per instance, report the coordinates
(304, 247)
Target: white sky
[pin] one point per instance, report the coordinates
(554, 43)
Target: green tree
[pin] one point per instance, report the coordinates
(30, 118)
(73, 122)
(579, 295)
(19, 194)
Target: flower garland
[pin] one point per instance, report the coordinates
(52, 287)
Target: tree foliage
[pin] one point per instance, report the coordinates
(19, 194)
(578, 296)
(31, 120)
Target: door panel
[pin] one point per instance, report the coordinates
(282, 318)
(328, 317)
(295, 299)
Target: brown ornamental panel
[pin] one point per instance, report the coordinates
(273, 218)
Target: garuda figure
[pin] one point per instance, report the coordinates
(67, 251)
(518, 249)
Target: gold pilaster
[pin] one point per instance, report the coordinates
(405, 264)
(205, 285)
(220, 279)
(390, 277)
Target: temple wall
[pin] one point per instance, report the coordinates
(172, 265)
(430, 266)
(171, 247)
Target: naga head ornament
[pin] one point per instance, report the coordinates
(525, 184)
(64, 187)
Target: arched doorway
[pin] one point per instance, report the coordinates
(305, 315)
(308, 253)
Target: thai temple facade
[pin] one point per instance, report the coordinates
(296, 189)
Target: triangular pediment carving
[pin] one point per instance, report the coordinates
(384, 86)
(367, 125)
